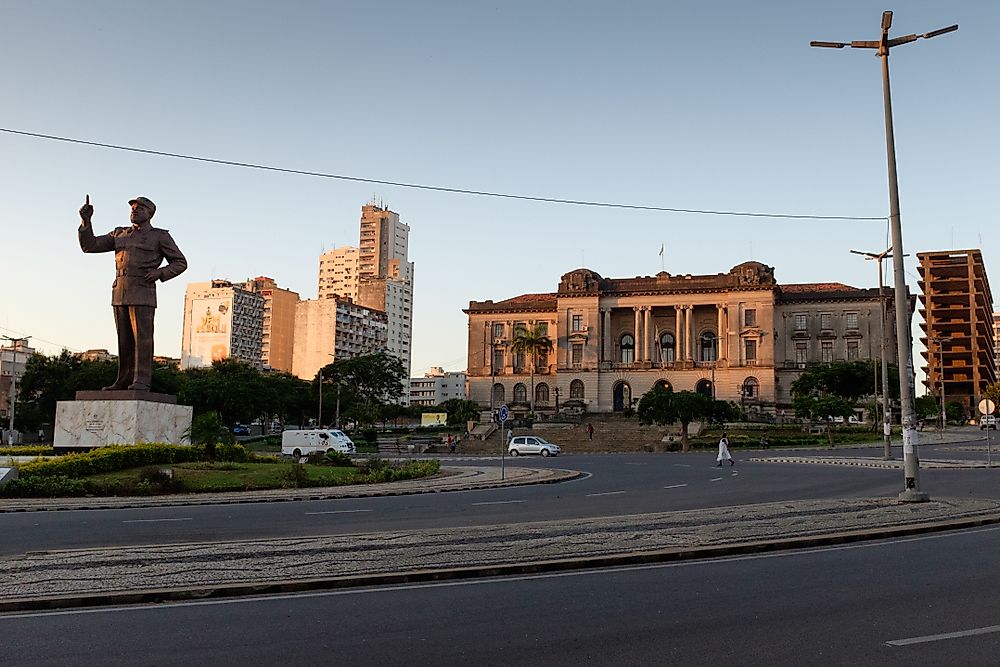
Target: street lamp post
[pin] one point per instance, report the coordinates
(941, 340)
(886, 414)
(911, 461)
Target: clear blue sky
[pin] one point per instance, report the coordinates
(700, 105)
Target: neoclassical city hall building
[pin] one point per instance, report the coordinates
(739, 336)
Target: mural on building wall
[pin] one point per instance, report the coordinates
(210, 338)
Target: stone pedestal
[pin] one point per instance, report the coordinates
(100, 418)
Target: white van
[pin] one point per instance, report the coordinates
(300, 443)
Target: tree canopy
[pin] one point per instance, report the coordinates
(533, 341)
(237, 392)
(660, 405)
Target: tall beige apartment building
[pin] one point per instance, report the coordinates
(222, 320)
(331, 329)
(278, 325)
(338, 273)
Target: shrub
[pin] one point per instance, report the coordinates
(296, 475)
(27, 450)
(120, 457)
(339, 459)
(53, 486)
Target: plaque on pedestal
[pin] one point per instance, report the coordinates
(125, 417)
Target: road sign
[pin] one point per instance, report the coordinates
(504, 412)
(986, 406)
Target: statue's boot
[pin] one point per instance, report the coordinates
(117, 386)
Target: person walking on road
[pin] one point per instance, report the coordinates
(451, 444)
(724, 454)
(590, 431)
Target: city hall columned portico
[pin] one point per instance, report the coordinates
(739, 336)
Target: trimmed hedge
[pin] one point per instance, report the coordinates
(120, 457)
(27, 450)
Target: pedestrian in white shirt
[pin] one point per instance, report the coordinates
(724, 454)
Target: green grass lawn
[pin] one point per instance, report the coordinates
(204, 477)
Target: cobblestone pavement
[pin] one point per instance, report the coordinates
(123, 575)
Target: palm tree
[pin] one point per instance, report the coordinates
(532, 342)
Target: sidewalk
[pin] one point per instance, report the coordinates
(156, 573)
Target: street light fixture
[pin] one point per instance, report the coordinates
(886, 414)
(911, 461)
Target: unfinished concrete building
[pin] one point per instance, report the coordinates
(957, 307)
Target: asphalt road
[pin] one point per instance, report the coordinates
(929, 600)
(616, 484)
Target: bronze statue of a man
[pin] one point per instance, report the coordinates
(139, 252)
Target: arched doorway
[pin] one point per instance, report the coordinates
(704, 387)
(622, 396)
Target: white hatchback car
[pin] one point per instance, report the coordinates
(531, 444)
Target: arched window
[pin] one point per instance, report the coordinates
(498, 394)
(667, 347)
(542, 394)
(708, 346)
(576, 389)
(704, 387)
(665, 384)
(520, 393)
(751, 388)
(628, 349)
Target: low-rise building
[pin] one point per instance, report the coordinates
(437, 386)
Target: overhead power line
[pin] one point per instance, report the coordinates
(438, 188)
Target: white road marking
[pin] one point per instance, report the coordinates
(607, 493)
(674, 486)
(338, 512)
(716, 479)
(947, 635)
(186, 518)
(500, 502)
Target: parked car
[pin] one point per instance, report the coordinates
(531, 444)
(988, 421)
(301, 442)
(241, 429)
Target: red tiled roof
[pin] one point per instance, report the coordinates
(533, 299)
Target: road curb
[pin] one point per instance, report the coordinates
(194, 593)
